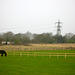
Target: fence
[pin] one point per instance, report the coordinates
(35, 54)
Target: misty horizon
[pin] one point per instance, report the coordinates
(37, 16)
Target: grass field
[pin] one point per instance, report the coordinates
(16, 65)
(41, 64)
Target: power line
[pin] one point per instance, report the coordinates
(27, 26)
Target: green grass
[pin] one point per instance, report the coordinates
(16, 65)
(52, 51)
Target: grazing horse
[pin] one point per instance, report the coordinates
(3, 52)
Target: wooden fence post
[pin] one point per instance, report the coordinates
(34, 55)
(65, 55)
(73, 56)
(20, 54)
(42, 54)
(49, 55)
(57, 55)
(28, 54)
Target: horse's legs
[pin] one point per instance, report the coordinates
(2, 54)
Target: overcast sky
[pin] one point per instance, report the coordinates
(37, 16)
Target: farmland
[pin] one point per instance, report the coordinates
(33, 47)
(38, 59)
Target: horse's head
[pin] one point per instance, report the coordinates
(5, 54)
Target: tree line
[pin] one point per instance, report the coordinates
(22, 38)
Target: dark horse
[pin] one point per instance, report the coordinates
(3, 52)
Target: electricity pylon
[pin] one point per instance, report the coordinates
(58, 27)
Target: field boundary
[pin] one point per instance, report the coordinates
(10, 48)
(35, 54)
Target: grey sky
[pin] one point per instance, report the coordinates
(36, 16)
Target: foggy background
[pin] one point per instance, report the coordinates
(37, 16)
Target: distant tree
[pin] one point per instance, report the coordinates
(1, 38)
(58, 39)
(25, 39)
(69, 37)
(43, 38)
(29, 35)
(72, 39)
(8, 36)
(17, 38)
